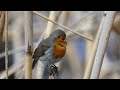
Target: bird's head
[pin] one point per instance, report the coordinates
(57, 34)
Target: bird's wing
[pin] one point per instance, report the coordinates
(40, 50)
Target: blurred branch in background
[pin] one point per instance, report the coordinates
(116, 24)
(102, 44)
(89, 46)
(12, 69)
(6, 43)
(2, 24)
(85, 19)
(90, 61)
(110, 68)
(17, 50)
(18, 39)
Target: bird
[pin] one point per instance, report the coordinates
(52, 49)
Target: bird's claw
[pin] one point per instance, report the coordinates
(53, 70)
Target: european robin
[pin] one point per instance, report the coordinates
(51, 49)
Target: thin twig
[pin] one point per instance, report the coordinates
(29, 43)
(62, 26)
(102, 44)
(6, 43)
(90, 61)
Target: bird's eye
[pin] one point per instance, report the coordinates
(58, 36)
(63, 39)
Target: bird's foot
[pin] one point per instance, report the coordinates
(53, 70)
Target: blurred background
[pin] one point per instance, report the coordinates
(73, 64)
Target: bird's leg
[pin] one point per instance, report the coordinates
(53, 71)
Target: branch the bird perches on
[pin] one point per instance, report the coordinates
(28, 26)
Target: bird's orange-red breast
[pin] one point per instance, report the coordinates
(59, 49)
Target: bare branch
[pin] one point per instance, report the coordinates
(90, 61)
(102, 44)
(6, 43)
(29, 43)
(2, 24)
